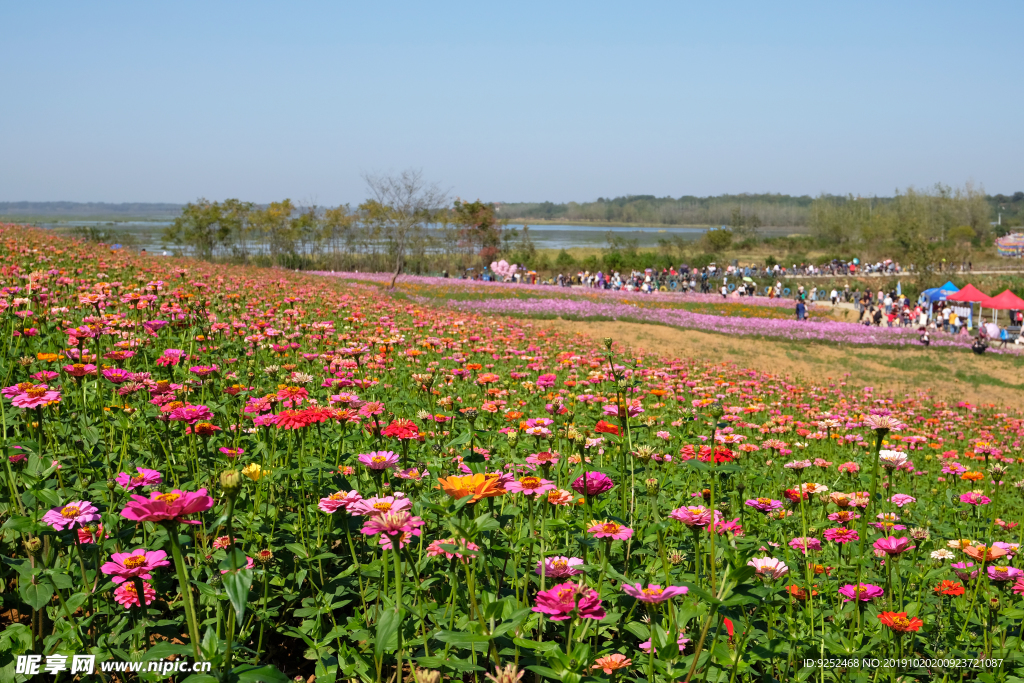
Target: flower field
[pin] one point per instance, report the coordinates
(294, 477)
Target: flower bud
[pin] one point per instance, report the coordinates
(33, 546)
(608, 343)
(230, 481)
(653, 486)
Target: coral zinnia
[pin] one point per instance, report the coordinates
(603, 427)
(477, 485)
(612, 530)
(168, 507)
(900, 622)
(611, 663)
(126, 595)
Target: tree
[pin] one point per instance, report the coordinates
(401, 207)
(479, 228)
(199, 227)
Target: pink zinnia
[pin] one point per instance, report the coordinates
(901, 499)
(972, 498)
(36, 397)
(126, 595)
(805, 544)
(612, 530)
(143, 477)
(1004, 573)
(341, 499)
(529, 486)
(379, 506)
(653, 592)
(379, 460)
(592, 483)
(893, 546)
(963, 570)
(565, 600)
(849, 467)
(117, 375)
(693, 516)
(391, 525)
(461, 548)
(863, 592)
(231, 452)
(769, 568)
(841, 535)
(190, 414)
(559, 566)
(168, 507)
(138, 563)
(764, 505)
(77, 513)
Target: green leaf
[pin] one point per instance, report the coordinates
(546, 672)
(236, 556)
(248, 673)
(299, 550)
(639, 629)
(461, 639)
(23, 524)
(387, 631)
(237, 585)
(37, 595)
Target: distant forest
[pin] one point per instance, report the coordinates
(735, 210)
(753, 210)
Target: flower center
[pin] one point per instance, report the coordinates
(378, 460)
(566, 595)
(901, 622)
(35, 392)
(168, 497)
(653, 592)
(559, 564)
(383, 506)
(764, 501)
(610, 528)
(134, 561)
(71, 511)
(530, 482)
(1001, 570)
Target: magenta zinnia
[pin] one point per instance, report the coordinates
(653, 592)
(77, 513)
(566, 600)
(168, 507)
(138, 563)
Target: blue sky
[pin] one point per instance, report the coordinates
(524, 101)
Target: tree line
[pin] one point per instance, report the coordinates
(405, 224)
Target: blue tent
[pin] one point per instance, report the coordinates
(930, 296)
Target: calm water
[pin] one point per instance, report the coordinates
(147, 234)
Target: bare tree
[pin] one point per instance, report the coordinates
(400, 207)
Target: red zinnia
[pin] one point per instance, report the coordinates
(948, 587)
(402, 429)
(606, 428)
(900, 622)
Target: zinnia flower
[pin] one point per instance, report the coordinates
(397, 524)
(341, 499)
(890, 545)
(948, 587)
(379, 460)
(375, 505)
(566, 600)
(77, 513)
(653, 593)
(975, 498)
(765, 505)
(592, 483)
(611, 663)
(1004, 573)
(477, 485)
(892, 459)
(144, 477)
(900, 622)
(138, 563)
(559, 566)
(126, 595)
(841, 535)
(769, 568)
(167, 507)
(693, 516)
(805, 544)
(612, 530)
(529, 486)
(862, 591)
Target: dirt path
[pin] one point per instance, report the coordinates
(948, 374)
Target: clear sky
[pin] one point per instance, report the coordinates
(506, 101)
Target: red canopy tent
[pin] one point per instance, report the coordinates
(969, 294)
(1005, 301)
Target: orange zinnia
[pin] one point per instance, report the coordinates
(477, 485)
(972, 476)
(980, 552)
